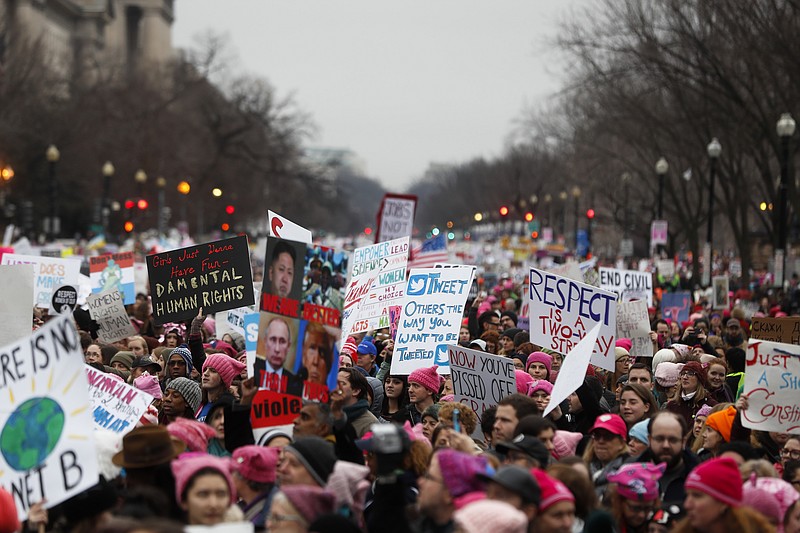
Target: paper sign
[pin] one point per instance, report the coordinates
(633, 323)
(16, 285)
(116, 406)
(65, 298)
(786, 330)
(230, 527)
(772, 384)
(573, 369)
(231, 320)
(675, 306)
(720, 292)
(562, 311)
(251, 339)
(431, 318)
(49, 273)
(283, 228)
(659, 232)
(666, 268)
(570, 270)
(114, 272)
(480, 379)
(215, 276)
(108, 311)
(46, 442)
(395, 217)
(627, 284)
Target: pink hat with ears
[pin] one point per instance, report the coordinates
(566, 443)
(184, 469)
(523, 381)
(622, 342)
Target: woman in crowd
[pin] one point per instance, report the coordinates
(633, 495)
(607, 450)
(538, 365)
(717, 370)
(692, 392)
(204, 489)
(294, 508)
(395, 399)
(492, 339)
(717, 429)
(636, 403)
(695, 441)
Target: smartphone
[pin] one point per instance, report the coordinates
(456, 421)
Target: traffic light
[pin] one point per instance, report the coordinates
(184, 187)
(129, 204)
(128, 226)
(534, 235)
(142, 204)
(225, 226)
(229, 209)
(590, 214)
(528, 216)
(367, 231)
(503, 211)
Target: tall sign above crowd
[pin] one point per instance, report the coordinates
(396, 217)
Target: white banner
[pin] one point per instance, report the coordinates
(480, 379)
(396, 217)
(116, 406)
(431, 318)
(633, 323)
(46, 443)
(666, 267)
(772, 384)
(573, 369)
(16, 286)
(627, 284)
(107, 309)
(49, 273)
(563, 310)
(283, 228)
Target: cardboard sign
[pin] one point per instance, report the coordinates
(562, 311)
(283, 228)
(16, 285)
(633, 323)
(116, 406)
(49, 273)
(215, 276)
(666, 267)
(659, 232)
(377, 281)
(570, 269)
(573, 369)
(627, 284)
(480, 379)
(395, 217)
(772, 384)
(785, 330)
(65, 298)
(676, 306)
(108, 311)
(46, 442)
(271, 408)
(721, 292)
(231, 320)
(431, 318)
(114, 272)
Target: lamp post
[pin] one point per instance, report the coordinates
(785, 127)
(184, 188)
(140, 177)
(161, 183)
(576, 194)
(105, 208)
(53, 155)
(563, 197)
(662, 167)
(713, 149)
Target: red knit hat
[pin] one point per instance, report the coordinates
(9, 523)
(719, 478)
(622, 342)
(697, 368)
(184, 469)
(427, 377)
(553, 491)
(227, 367)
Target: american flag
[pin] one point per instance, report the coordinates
(430, 252)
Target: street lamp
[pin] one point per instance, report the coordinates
(785, 127)
(161, 183)
(53, 155)
(713, 149)
(563, 195)
(105, 210)
(576, 194)
(662, 167)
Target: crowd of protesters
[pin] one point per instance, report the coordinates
(656, 445)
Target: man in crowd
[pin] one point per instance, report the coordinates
(510, 410)
(366, 354)
(281, 269)
(353, 389)
(642, 374)
(423, 385)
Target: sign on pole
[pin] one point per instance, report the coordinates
(480, 379)
(563, 311)
(396, 216)
(721, 292)
(772, 385)
(659, 232)
(114, 272)
(707, 266)
(49, 273)
(633, 323)
(627, 284)
(786, 330)
(116, 406)
(676, 306)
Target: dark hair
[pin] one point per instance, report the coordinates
(283, 247)
(533, 425)
(402, 401)
(641, 366)
(486, 316)
(701, 320)
(741, 447)
(736, 359)
(655, 323)
(487, 420)
(644, 394)
(789, 470)
(521, 338)
(578, 484)
(523, 405)
(357, 381)
(676, 416)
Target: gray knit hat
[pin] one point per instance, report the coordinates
(189, 390)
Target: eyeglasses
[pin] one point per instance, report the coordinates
(639, 509)
(792, 454)
(689, 373)
(661, 439)
(603, 435)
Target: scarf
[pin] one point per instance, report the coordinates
(356, 410)
(688, 396)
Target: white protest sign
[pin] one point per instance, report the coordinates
(570, 270)
(480, 379)
(562, 311)
(251, 340)
(772, 385)
(49, 273)
(633, 323)
(107, 309)
(46, 443)
(573, 369)
(229, 527)
(283, 228)
(396, 217)
(666, 267)
(431, 317)
(231, 320)
(627, 284)
(116, 406)
(720, 292)
(377, 281)
(16, 285)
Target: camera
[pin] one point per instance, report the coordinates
(388, 438)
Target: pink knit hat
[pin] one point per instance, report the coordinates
(540, 385)
(565, 443)
(523, 381)
(227, 367)
(490, 516)
(638, 481)
(460, 472)
(622, 342)
(539, 357)
(195, 434)
(184, 468)
(427, 377)
(553, 491)
(256, 463)
(149, 384)
(719, 478)
(667, 373)
(770, 496)
(311, 502)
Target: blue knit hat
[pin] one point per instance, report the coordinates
(185, 354)
(639, 432)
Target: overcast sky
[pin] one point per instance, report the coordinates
(401, 83)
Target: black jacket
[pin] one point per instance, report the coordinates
(671, 485)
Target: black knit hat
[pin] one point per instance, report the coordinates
(316, 455)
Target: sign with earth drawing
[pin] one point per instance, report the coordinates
(46, 443)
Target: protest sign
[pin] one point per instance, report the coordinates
(720, 292)
(251, 339)
(570, 270)
(666, 267)
(231, 320)
(46, 443)
(395, 217)
(65, 298)
(480, 379)
(114, 272)
(49, 273)
(633, 323)
(215, 276)
(573, 369)
(108, 311)
(627, 284)
(431, 317)
(16, 285)
(377, 281)
(563, 310)
(116, 406)
(283, 228)
(676, 306)
(659, 232)
(786, 330)
(772, 384)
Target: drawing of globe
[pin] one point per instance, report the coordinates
(31, 433)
